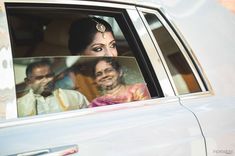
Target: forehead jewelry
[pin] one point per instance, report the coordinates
(100, 27)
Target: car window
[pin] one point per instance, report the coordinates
(75, 84)
(181, 72)
(43, 60)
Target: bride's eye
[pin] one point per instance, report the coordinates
(97, 49)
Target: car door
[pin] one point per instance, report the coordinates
(213, 107)
(157, 126)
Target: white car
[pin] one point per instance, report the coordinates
(182, 50)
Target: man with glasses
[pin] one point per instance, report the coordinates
(42, 97)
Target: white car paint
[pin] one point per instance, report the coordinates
(209, 29)
(154, 127)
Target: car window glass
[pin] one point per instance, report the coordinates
(45, 32)
(62, 82)
(179, 68)
(74, 80)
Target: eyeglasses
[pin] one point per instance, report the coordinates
(50, 75)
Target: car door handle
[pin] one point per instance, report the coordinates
(56, 151)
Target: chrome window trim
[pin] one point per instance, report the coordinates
(181, 47)
(153, 56)
(195, 95)
(158, 50)
(73, 2)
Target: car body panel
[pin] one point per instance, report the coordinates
(152, 127)
(7, 82)
(216, 117)
(214, 49)
(196, 124)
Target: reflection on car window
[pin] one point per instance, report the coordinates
(55, 56)
(180, 70)
(56, 84)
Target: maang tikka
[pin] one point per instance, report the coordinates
(100, 27)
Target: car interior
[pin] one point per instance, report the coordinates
(44, 32)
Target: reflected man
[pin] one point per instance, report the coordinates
(42, 97)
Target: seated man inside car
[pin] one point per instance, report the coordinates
(42, 97)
